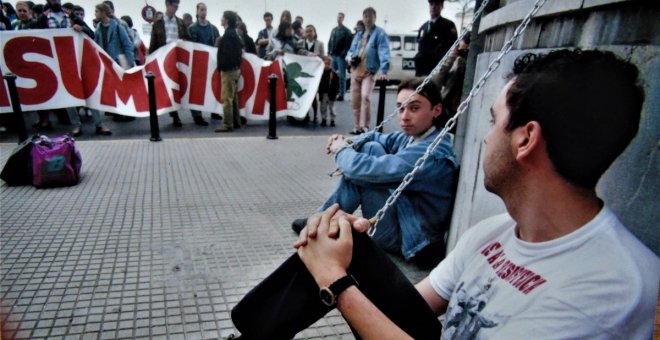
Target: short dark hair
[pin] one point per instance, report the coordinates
(231, 17)
(78, 8)
(268, 14)
(441, 2)
(430, 91)
(128, 20)
(369, 10)
(296, 25)
(68, 6)
(110, 4)
(588, 104)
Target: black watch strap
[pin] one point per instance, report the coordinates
(329, 295)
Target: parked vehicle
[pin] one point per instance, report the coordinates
(403, 47)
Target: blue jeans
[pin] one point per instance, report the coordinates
(351, 194)
(339, 66)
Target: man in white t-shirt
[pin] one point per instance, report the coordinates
(558, 265)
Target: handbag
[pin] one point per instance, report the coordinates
(56, 162)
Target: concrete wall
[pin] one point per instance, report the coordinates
(630, 29)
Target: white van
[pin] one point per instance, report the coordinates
(403, 48)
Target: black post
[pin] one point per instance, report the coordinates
(381, 102)
(19, 121)
(272, 118)
(381, 99)
(153, 117)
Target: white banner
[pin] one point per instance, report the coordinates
(60, 68)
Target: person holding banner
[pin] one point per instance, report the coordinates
(56, 17)
(112, 37)
(283, 42)
(203, 32)
(164, 31)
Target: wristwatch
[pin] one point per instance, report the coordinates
(329, 295)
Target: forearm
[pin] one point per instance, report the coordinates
(365, 318)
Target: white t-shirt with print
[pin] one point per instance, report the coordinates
(598, 282)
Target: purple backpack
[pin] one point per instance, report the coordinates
(55, 162)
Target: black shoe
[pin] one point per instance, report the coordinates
(176, 122)
(216, 116)
(324, 122)
(340, 98)
(201, 122)
(76, 132)
(243, 120)
(298, 225)
(237, 126)
(103, 131)
(356, 132)
(332, 123)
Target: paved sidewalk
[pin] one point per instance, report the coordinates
(159, 240)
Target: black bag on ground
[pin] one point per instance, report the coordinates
(18, 169)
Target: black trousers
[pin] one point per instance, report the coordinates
(287, 301)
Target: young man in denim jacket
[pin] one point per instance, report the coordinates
(373, 169)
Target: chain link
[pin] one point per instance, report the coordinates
(461, 109)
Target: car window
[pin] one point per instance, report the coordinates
(409, 43)
(395, 43)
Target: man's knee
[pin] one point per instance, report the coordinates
(373, 148)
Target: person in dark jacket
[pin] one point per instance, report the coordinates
(248, 42)
(328, 90)
(340, 41)
(159, 38)
(434, 39)
(203, 32)
(230, 55)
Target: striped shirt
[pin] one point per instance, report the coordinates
(171, 29)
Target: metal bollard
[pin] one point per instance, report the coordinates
(272, 118)
(16, 106)
(381, 103)
(153, 117)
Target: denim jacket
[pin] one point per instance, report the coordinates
(424, 208)
(118, 42)
(378, 50)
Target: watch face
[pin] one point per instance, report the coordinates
(327, 297)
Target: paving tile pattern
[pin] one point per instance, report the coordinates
(159, 240)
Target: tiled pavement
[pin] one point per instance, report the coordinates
(159, 240)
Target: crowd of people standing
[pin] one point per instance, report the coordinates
(364, 52)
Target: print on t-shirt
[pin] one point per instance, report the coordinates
(465, 316)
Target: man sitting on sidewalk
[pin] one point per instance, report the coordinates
(559, 265)
(415, 226)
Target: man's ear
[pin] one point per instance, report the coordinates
(526, 140)
(437, 110)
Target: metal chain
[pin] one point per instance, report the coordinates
(428, 78)
(452, 121)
